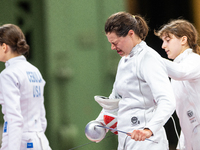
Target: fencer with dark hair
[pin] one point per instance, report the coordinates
(21, 94)
(142, 85)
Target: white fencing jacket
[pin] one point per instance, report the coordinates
(21, 97)
(147, 97)
(185, 74)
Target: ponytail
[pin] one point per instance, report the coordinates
(121, 23)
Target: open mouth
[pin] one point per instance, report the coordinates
(167, 51)
(119, 51)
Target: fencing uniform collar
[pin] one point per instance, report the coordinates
(182, 56)
(135, 50)
(14, 60)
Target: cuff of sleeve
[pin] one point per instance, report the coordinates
(152, 128)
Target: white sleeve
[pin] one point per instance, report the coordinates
(154, 73)
(100, 117)
(43, 118)
(112, 95)
(11, 96)
(186, 70)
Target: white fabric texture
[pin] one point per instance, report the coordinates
(21, 97)
(185, 74)
(108, 115)
(147, 99)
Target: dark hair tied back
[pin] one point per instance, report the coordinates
(22, 47)
(13, 36)
(122, 22)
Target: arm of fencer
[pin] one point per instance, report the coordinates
(183, 71)
(108, 115)
(100, 117)
(106, 103)
(114, 95)
(43, 117)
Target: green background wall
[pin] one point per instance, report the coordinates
(78, 59)
(69, 47)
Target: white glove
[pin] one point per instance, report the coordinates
(108, 115)
(106, 103)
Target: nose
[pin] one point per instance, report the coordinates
(163, 45)
(113, 47)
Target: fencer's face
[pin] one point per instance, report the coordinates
(123, 45)
(172, 45)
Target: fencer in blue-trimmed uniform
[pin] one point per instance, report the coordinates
(21, 95)
(147, 100)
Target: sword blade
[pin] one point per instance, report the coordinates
(113, 129)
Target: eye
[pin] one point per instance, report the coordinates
(115, 44)
(167, 39)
